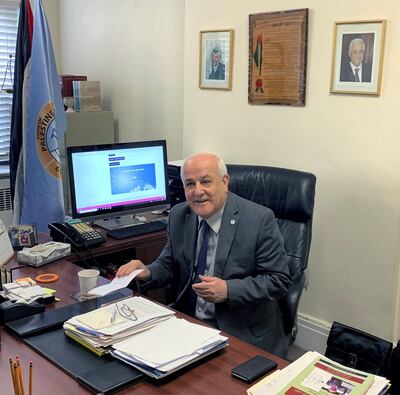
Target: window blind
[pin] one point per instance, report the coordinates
(9, 11)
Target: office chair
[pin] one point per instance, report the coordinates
(290, 195)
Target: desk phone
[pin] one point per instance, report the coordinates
(76, 232)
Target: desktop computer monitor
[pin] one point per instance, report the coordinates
(110, 182)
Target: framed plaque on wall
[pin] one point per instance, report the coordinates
(278, 57)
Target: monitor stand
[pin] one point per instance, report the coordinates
(119, 222)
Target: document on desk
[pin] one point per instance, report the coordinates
(114, 285)
(168, 346)
(117, 321)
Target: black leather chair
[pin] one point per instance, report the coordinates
(290, 195)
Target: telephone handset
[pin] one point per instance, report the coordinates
(76, 232)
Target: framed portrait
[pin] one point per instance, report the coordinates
(357, 57)
(215, 70)
(278, 57)
(22, 236)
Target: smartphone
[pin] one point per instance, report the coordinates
(254, 368)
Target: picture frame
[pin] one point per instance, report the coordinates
(22, 236)
(215, 59)
(361, 42)
(278, 44)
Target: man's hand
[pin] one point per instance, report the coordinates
(135, 264)
(211, 289)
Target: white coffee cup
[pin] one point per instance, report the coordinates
(88, 280)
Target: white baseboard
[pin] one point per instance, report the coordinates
(312, 334)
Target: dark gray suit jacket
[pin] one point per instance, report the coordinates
(251, 258)
(346, 73)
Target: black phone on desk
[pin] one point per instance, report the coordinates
(254, 368)
(76, 232)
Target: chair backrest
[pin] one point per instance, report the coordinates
(290, 195)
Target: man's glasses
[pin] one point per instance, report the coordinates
(126, 311)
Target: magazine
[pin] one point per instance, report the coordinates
(314, 374)
(323, 376)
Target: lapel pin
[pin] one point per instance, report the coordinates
(233, 222)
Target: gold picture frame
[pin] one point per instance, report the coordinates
(278, 57)
(357, 57)
(215, 59)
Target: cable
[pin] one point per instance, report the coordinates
(72, 242)
(102, 270)
(189, 282)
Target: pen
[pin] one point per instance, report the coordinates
(113, 315)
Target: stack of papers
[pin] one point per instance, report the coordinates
(315, 374)
(168, 346)
(24, 292)
(114, 322)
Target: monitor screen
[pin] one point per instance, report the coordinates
(110, 180)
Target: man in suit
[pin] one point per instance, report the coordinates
(356, 70)
(246, 268)
(217, 67)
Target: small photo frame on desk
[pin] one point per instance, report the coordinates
(22, 236)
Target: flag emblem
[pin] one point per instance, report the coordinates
(47, 141)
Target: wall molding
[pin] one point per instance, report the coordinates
(312, 333)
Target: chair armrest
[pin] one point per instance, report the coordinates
(290, 303)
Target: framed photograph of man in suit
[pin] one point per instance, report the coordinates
(215, 69)
(357, 58)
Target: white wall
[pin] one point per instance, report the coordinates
(135, 48)
(350, 142)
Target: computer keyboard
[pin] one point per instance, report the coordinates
(137, 230)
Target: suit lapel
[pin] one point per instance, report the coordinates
(229, 223)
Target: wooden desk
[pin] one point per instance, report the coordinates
(146, 248)
(210, 376)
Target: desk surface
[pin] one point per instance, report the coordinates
(210, 376)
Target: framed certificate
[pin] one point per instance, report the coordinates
(278, 57)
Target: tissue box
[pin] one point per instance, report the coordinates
(43, 253)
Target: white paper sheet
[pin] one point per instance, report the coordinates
(114, 285)
(168, 341)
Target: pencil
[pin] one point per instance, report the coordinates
(30, 377)
(12, 375)
(21, 381)
(17, 385)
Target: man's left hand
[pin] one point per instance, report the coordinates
(211, 289)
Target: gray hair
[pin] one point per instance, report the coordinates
(356, 41)
(222, 170)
